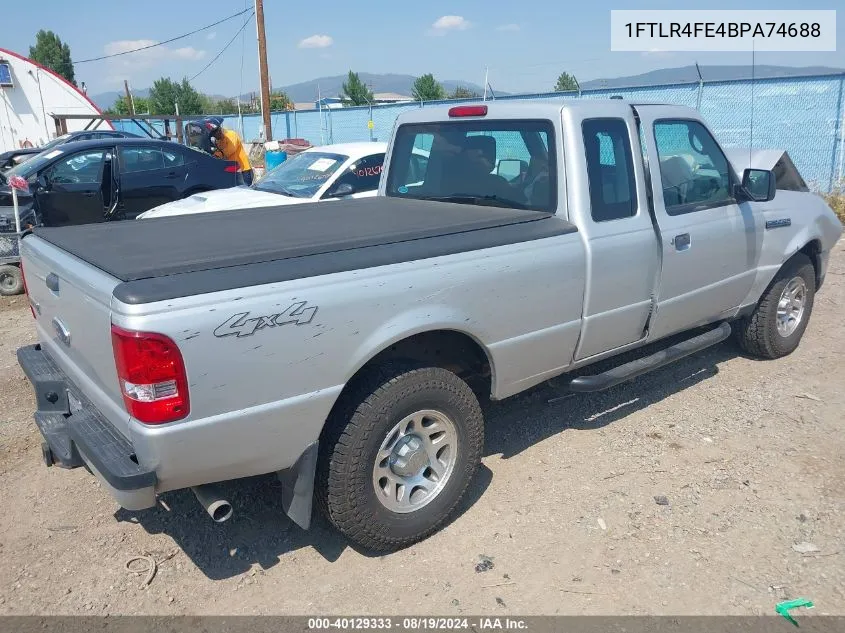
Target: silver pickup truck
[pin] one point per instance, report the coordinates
(346, 346)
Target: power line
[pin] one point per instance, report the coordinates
(216, 57)
(172, 39)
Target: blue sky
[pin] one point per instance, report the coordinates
(525, 43)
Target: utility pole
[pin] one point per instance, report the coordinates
(129, 103)
(264, 74)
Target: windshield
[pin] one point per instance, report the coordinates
(56, 141)
(34, 164)
(301, 176)
(508, 163)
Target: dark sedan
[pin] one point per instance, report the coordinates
(17, 156)
(109, 179)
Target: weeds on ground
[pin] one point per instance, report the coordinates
(836, 200)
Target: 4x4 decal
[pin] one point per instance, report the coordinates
(241, 325)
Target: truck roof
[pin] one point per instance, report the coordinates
(535, 108)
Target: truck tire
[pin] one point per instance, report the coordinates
(398, 455)
(11, 281)
(778, 322)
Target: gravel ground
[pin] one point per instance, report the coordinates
(687, 491)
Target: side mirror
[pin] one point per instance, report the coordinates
(759, 184)
(43, 181)
(342, 189)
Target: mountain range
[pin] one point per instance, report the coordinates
(307, 91)
(689, 74)
(398, 84)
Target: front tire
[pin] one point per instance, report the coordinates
(778, 322)
(11, 280)
(398, 455)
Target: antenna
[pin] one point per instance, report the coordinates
(751, 140)
(700, 86)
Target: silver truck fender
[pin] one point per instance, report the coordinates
(787, 231)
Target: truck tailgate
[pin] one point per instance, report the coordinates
(72, 302)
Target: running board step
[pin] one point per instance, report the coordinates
(622, 373)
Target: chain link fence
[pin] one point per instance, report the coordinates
(802, 115)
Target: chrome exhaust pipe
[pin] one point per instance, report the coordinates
(212, 500)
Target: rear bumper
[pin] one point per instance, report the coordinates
(76, 434)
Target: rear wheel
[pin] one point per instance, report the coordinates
(778, 322)
(11, 281)
(399, 455)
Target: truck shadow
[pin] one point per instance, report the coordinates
(518, 423)
(260, 532)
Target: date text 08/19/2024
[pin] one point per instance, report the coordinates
(417, 624)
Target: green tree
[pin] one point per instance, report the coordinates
(209, 105)
(166, 93)
(279, 100)
(226, 106)
(463, 93)
(355, 91)
(121, 107)
(566, 83)
(426, 88)
(49, 51)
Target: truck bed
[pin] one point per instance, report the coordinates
(165, 258)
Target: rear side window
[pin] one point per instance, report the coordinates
(173, 158)
(135, 159)
(610, 169)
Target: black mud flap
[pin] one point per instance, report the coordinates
(298, 487)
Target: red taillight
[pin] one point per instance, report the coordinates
(26, 292)
(231, 169)
(468, 110)
(152, 376)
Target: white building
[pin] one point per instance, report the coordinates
(30, 93)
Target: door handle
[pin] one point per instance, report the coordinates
(681, 242)
(89, 194)
(52, 282)
(171, 175)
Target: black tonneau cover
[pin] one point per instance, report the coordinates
(166, 258)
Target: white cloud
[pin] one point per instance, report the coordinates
(317, 41)
(211, 35)
(657, 53)
(448, 23)
(149, 57)
(509, 27)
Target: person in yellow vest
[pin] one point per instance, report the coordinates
(230, 147)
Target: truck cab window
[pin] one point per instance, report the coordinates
(507, 163)
(610, 169)
(693, 169)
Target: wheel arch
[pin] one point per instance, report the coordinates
(812, 250)
(447, 348)
(811, 247)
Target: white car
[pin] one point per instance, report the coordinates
(344, 170)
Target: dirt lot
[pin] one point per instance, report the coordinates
(749, 456)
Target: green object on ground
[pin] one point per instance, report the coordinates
(784, 607)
